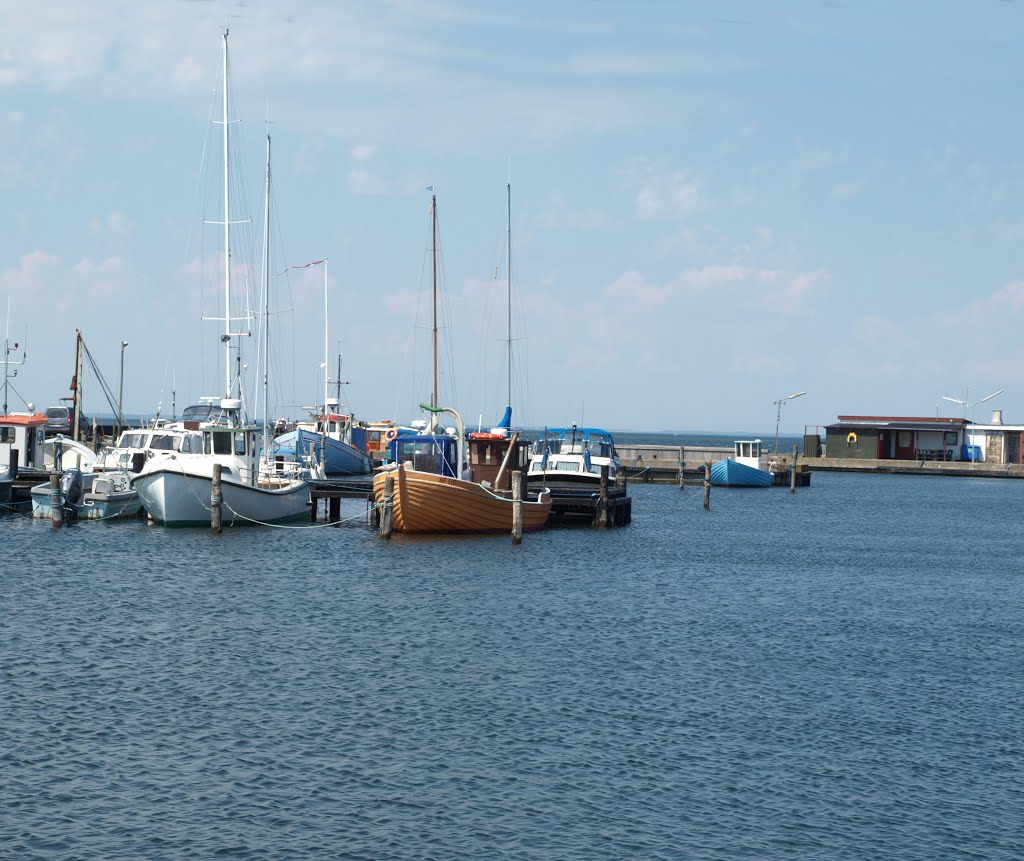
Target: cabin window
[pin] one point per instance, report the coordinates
(218, 443)
(240, 442)
(132, 440)
(162, 442)
(6, 435)
(567, 466)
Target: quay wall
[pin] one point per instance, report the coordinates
(915, 467)
(662, 461)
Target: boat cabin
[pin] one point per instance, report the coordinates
(135, 447)
(487, 453)
(21, 441)
(434, 453)
(748, 452)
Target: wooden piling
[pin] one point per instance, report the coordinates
(56, 509)
(601, 515)
(517, 506)
(334, 510)
(387, 516)
(374, 512)
(707, 484)
(792, 471)
(215, 500)
(682, 468)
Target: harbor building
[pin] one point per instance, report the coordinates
(997, 442)
(898, 438)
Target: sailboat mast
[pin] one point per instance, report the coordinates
(77, 411)
(326, 373)
(433, 219)
(508, 188)
(337, 382)
(227, 234)
(266, 304)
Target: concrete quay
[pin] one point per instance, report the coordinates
(914, 467)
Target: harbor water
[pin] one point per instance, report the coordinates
(830, 674)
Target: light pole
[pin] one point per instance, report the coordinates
(778, 415)
(967, 404)
(120, 394)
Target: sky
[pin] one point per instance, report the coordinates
(714, 205)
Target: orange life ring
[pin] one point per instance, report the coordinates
(389, 435)
(851, 438)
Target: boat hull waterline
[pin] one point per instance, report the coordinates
(179, 499)
(428, 503)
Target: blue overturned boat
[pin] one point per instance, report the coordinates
(743, 469)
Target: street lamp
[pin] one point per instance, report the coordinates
(778, 414)
(967, 404)
(120, 394)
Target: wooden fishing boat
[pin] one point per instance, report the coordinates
(427, 502)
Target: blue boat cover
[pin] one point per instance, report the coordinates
(729, 473)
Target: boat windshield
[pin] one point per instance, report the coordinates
(132, 440)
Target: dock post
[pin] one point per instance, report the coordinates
(334, 510)
(374, 512)
(707, 484)
(682, 468)
(620, 479)
(601, 515)
(792, 471)
(56, 509)
(314, 504)
(215, 500)
(517, 506)
(387, 516)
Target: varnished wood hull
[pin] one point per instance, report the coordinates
(424, 502)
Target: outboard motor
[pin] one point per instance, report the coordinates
(71, 486)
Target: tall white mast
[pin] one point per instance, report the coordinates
(266, 304)
(326, 374)
(227, 235)
(433, 222)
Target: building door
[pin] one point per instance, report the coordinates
(883, 445)
(904, 445)
(1013, 447)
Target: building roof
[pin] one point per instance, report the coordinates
(926, 423)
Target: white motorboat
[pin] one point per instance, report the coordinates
(571, 458)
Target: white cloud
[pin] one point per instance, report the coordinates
(365, 183)
(674, 196)
(118, 224)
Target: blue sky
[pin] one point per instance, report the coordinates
(714, 204)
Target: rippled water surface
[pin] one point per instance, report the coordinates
(835, 674)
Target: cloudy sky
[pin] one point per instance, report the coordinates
(714, 204)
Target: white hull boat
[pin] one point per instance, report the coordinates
(177, 493)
